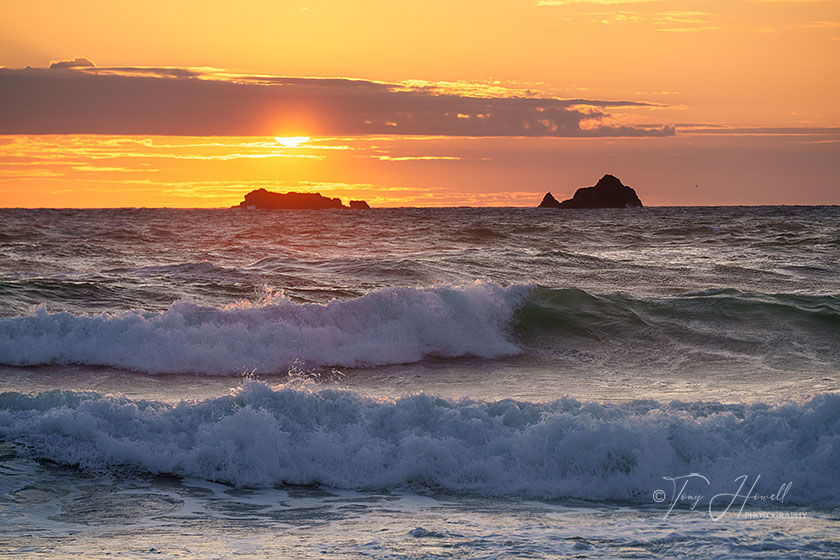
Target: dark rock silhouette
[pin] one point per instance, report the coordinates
(549, 201)
(267, 200)
(609, 192)
(359, 205)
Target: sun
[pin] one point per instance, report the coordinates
(291, 141)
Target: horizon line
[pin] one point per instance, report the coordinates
(237, 207)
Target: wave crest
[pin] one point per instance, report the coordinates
(399, 325)
(261, 436)
(406, 325)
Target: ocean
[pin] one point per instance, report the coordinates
(420, 383)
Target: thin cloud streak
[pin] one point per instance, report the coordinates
(190, 102)
(548, 3)
(418, 158)
(762, 130)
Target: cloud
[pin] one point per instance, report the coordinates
(689, 29)
(418, 158)
(75, 63)
(603, 2)
(761, 130)
(196, 102)
(823, 24)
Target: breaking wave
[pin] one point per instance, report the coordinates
(259, 436)
(391, 326)
(406, 325)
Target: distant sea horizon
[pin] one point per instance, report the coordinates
(235, 206)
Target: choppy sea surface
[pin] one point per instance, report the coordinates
(435, 383)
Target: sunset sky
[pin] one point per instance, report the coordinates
(489, 102)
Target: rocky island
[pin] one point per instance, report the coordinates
(267, 200)
(609, 192)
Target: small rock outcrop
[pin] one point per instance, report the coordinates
(609, 192)
(268, 200)
(549, 201)
(359, 205)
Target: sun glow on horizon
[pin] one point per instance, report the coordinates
(291, 141)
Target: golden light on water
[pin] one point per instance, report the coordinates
(291, 141)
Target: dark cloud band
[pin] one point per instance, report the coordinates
(74, 99)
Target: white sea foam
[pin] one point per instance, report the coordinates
(398, 325)
(262, 436)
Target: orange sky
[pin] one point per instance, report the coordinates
(730, 102)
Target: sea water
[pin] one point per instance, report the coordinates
(390, 383)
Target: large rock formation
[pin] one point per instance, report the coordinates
(267, 200)
(359, 205)
(549, 201)
(609, 192)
